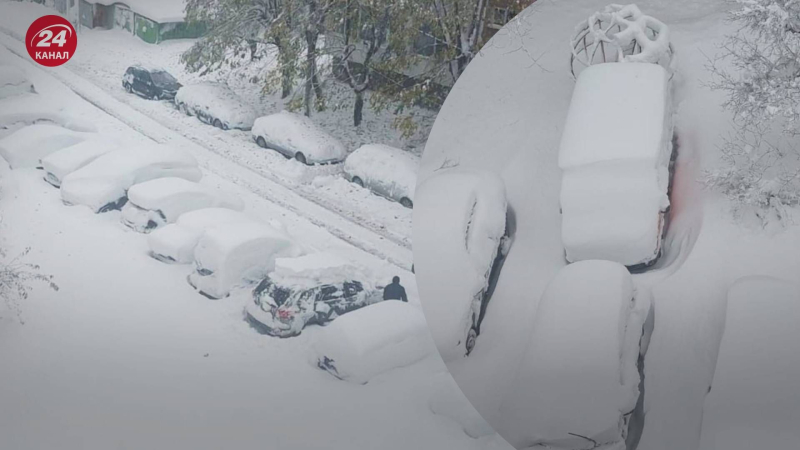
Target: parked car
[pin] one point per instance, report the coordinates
(13, 81)
(311, 289)
(150, 82)
(175, 242)
(26, 146)
(102, 184)
(19, 111)
(237, 253)
(616, 158)
(386, 171)
(298, 137)
(579, 379)
(461, 238)
(63, 162)
(215, 104)
(161, 201)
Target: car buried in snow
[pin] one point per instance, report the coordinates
(26, 146)
(387, 171)
(150, 82)
(462, 234)
(617, 155)
(215, 104)
(161, 201)
(298, 137)
(59, 164)
(13, 82)
(236, 254)
(583, 368)
(311, 289)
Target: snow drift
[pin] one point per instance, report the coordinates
(13, 81)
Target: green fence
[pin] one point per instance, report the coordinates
(146, 29)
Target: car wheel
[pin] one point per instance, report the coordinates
(405, 201)
(261, 142)
(128, 88)
(472, 336)
(358, 181)
(218, 124)
(300, 157)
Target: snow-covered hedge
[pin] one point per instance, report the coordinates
(389, 171)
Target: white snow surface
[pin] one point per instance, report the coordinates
(59, 164)
(20, 111)
(459, 220)
(27, 146)
(218, 101)
(372, 340)
(175, 196)
(580, 379)
(755, 395)
(318, 268)
(176, 241)
(13, 82)
(107, 179)
(388, 170)
(236, 253)
(297, 133)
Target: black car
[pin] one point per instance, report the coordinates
(283, 310)
(151, 83)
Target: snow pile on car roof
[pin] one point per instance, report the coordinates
(107, 179)
(26, 146)
(67, 160)
(299, 134)
(219, 101)
(174, 196)
(579, 371)
(369, 341)
(319, 268)
(386, 165)
(753, 402)
(459, 220)
(176, 242)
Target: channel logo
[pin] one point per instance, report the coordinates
(51, 40)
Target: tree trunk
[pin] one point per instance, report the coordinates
(358, 108)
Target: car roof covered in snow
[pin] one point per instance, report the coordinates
(220, 99)
(299, 133)
(231, 238)
(173, 196)
(69, 159)
(26, 146)
(20, 109)
(459, 220)
(384, 163)
(618, 111)
(317, 269)
(579, 371)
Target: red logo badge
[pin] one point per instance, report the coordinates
(51, 40)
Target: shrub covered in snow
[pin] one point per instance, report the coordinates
(61, 163)
(160, 201)
(386, 170)
(375, 339)
(102, 184)
(176, 242)
(27, 146)
(235, 253)
(580, 372)
(298, 137)
(215, 104)
(459, 224)
(13, 81)
(615, 156)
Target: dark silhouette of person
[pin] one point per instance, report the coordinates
(395, 291)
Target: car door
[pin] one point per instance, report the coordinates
(138, 81)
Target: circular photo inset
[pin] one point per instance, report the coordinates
(604, 240)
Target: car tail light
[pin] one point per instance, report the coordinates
(283, 314)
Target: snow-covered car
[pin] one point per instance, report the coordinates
(215, 104)
(59, 164)
(237, 253)
(175, 242)
(310, 289)
(27, 146)
(298, 137)
(161, 201)
(150, 82)
(372, 340)
(616, 157)
(581, 371)
(461, 239)
(102, 184)
(385, 170)
(18, 112)
(13, 81)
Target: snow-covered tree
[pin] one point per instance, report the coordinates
(763, 92)
(16, 278)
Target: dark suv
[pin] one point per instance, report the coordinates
(150, 83)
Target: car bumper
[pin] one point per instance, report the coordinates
(266, 323)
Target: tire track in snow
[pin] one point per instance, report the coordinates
(269, 189)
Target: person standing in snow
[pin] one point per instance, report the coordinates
(395, 291)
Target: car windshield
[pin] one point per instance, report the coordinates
(162, 78)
